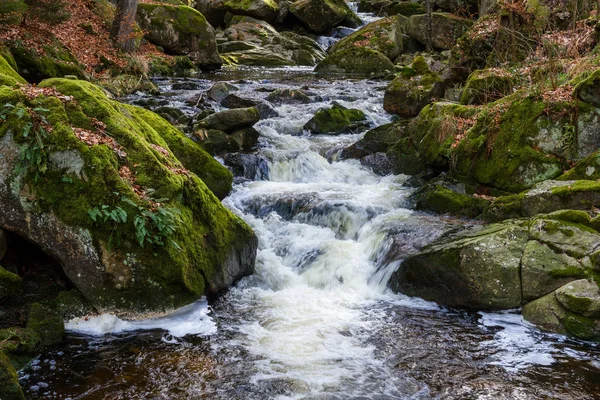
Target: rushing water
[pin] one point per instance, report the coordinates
(316, 320)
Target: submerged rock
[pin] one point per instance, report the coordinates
(180, 30)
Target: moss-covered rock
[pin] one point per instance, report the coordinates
(478, 269)
(55, 61)
(9, 382)
(384, 36)
(546, 197)
(412, 90)
(288, 96)
(547, 313)
(46, 324)
(581, 297)
(485, 86)
(180, 30)
(376, 140)
(231, 120)
(93, 203)
(336, 120)
(446, 29)
(356, 61)
(441, 199)
(248, 41)
(8, 76)
(391, 7)
(320, 16)
(9, 283)
(265, 10)
(71, 304)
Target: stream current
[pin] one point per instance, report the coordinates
(316, 320)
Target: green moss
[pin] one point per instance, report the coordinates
(46, 324)
(439, 199)
(358, 61)
(9, 283)
(336, 119)
(8, 76)
(484, 86)
(204, 236)
(9, 382)
(580, 326)
(571, 271)
(419, 65)
(379, 35)
(56, 61)
(71, 304)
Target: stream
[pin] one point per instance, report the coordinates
(316, 320)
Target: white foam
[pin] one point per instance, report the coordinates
(192, 319)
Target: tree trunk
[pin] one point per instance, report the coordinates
(429, 45)
(124, 25)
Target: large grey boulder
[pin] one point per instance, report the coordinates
(180, 30)
(446, 29)
(321, 16)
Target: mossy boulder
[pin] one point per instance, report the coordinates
(8, 76)
(391, 7)
(502, 265)
(180, 30)
(46, 323)
(219, 91)
(248, 41)
(485, 86)
(320, 16)
(377, 140)
(265, 10)
(93, 203)
(546, 197)
(288, 96)
(442, 199)
(511, 144)
(478, 269)
(446, 29)
(581, 296)
(550, 314)
(9, 283)
(54, 60)
(412, 90)
(9, 381)
(231, 120)
(384, 36)
(356, 61)
(336, 120)
(588, 90)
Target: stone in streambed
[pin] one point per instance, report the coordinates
(336, 120)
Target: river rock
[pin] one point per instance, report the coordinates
(447, 199)
(376, 140)
(288, 96)
(231, 120)
(248, 41)
(356, 61)
(412, 90)
(180, 30)
(9, 380)
(219, 91)
(384, 36)
(391, 7)
(478, 269)
(485, 86)
(336, 120)
(320, 16)
(9, 283)
(581, 297)
(266, 10)
(235, 101)
(447, 28)
(549, 314)
(546, 197)
(199, 247)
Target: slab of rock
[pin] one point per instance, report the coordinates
(232, 120)
(581, 296)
